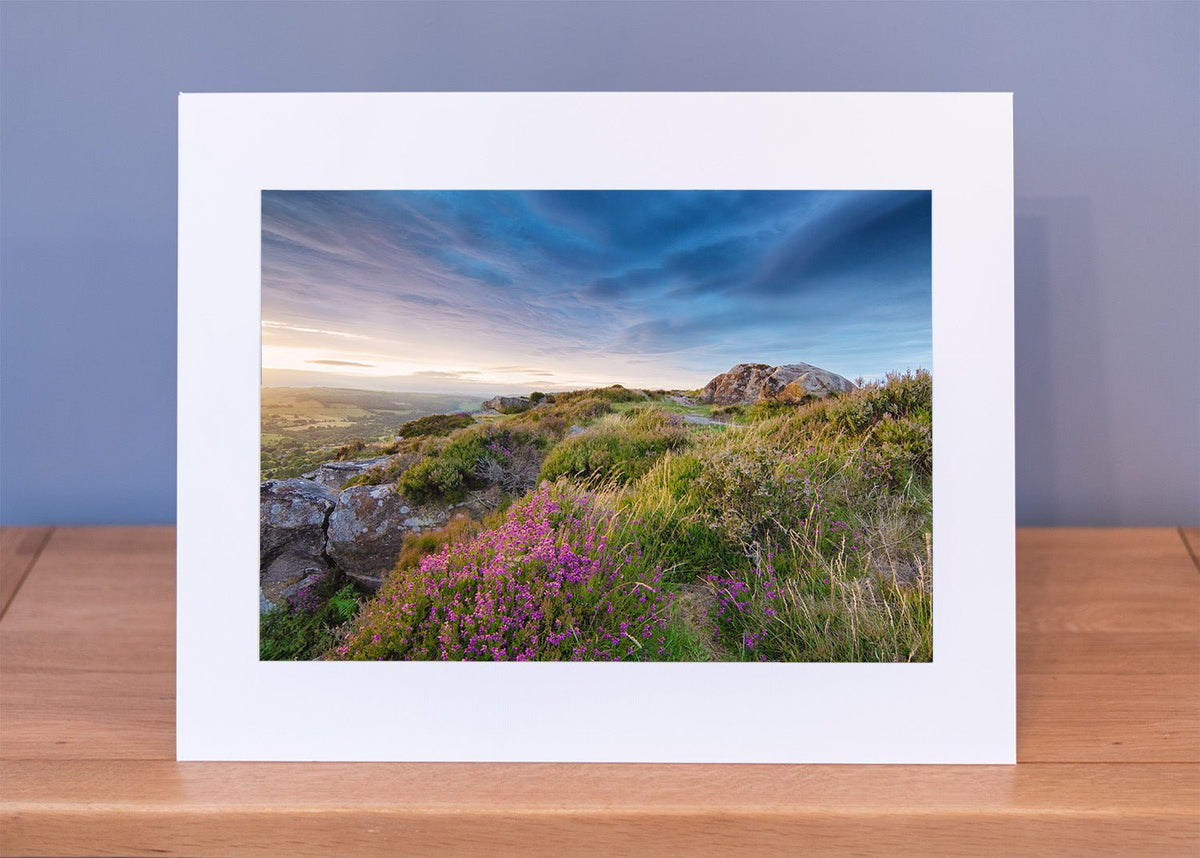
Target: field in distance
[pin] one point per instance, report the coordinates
(303, 426)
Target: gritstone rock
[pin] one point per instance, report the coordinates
(367, 527)
(751, 383)
(291, 537)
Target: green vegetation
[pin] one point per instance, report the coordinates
(786, 532)
(545, 583)
(620, 447)
(311, 622)
(435, 424)
(303, 427)
(389, 472)
(349, 451)
(475, 458)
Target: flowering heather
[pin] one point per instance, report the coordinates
(746, 604)
(818, 613)
(310, 598)
(547, 584)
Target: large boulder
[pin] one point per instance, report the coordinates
(367, 527)
(794, 382)
(751, 383)
(741, 385)
(334, 475)
(508, 404)
(292, 514)
(291, 536)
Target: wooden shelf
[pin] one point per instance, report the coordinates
(1108, 738)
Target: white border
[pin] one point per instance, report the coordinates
(959, 709)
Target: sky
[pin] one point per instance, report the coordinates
(494, 292)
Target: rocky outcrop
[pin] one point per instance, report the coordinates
(794, 382)
(741, 385)
(367, 528)
(334, 475)
(751, 383)
(307, 530)
(508, 404)
(293, 515)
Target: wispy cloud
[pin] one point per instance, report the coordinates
(651, 287)
(338, 363)
(437, 373)
(280, 326)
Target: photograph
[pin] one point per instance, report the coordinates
(596, 425)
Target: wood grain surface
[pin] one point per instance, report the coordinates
(19, 546)
(1108, 740)
(1191, 538)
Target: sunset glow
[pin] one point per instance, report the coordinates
(507, 291)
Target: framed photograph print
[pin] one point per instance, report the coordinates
(613, 427)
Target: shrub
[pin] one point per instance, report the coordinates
(469, 459)
(621, 449)
(900, 396)
(905, 449)
(555, 419)
(847, 419)
(831, 523)
(766, 497)
(562, 411)
(434, 478)
(612, 393)
(349, 451)
(547, 584)
(381, 474)
(511, 466)
(583, 410)
(435, 424)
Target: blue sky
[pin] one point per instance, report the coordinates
(507, 291)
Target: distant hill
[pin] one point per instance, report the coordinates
(302, 426)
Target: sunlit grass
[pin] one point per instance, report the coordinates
(800, 533)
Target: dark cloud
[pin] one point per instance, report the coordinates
(339, 363)
(689, 278)
(884, 236)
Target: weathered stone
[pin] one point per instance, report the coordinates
(286, 574)
(795, 381)
(334, 475)
(741, 385)
(292, 515)
(750, 383)
(508, 404)
(367, 527)
(291, 535)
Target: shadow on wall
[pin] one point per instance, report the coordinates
(1064, 386)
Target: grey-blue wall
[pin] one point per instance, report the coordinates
(1107, 100)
